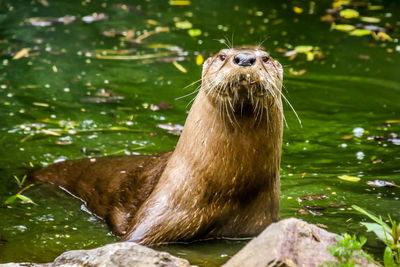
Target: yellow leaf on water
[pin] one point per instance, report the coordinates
(371, 7)
(179, 67)
(199, 60)
(382, 36)
(179, 3)
(194, 32)
(310, 56)
(360, 32)
(297, 10)
(370, 19)
(24, 52)
(344, 27)
(45, 105)
(349, 13)
(392, 121)
(339, 3)
(184, 25)
(303, 48)
(349, 178)
(49, 132)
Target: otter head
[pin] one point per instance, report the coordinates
(243, 82)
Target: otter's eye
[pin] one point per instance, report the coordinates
(222, 57)
(265, 59)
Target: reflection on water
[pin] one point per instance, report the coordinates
(85, 78)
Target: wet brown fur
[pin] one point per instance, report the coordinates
(222, 180)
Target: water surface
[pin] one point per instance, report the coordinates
(105, 105)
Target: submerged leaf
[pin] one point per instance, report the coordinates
(349, 178)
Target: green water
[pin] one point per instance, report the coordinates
(50, 89)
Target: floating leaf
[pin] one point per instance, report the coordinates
(199, 60)
(360, 32)
(194, 32)
(349, 178)
(392, 121)
(382, 183)
(179, 3)
(371, 7)
(349, 13)
(95, 17)
(297, 72)
(175, 129)
(49, 132)
(310, 56)
(303, 48)
(24, 52)
(344, 27)
(179, 67)
(161, 106)
(339, 3)
(183, 25)
(150, 33)
(370, 19)
(297, 10)
(38, 104)
(313, 197)
(382, 36)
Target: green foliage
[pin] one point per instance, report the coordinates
(24, 199)
(347, 251)
(388, 234)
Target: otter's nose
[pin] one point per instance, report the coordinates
(244, 59)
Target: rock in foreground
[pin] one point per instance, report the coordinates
(119, 254)
(291, 242)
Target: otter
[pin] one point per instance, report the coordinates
(222, 179)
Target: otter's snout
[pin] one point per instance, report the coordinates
(244, 59)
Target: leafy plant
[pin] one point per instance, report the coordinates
(347, 251)
(20, 183)
(388, 234)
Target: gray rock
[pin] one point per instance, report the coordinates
(119, 254)
(291, 242)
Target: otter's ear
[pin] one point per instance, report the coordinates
(206, 64)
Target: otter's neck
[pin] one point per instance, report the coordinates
(229, 153)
